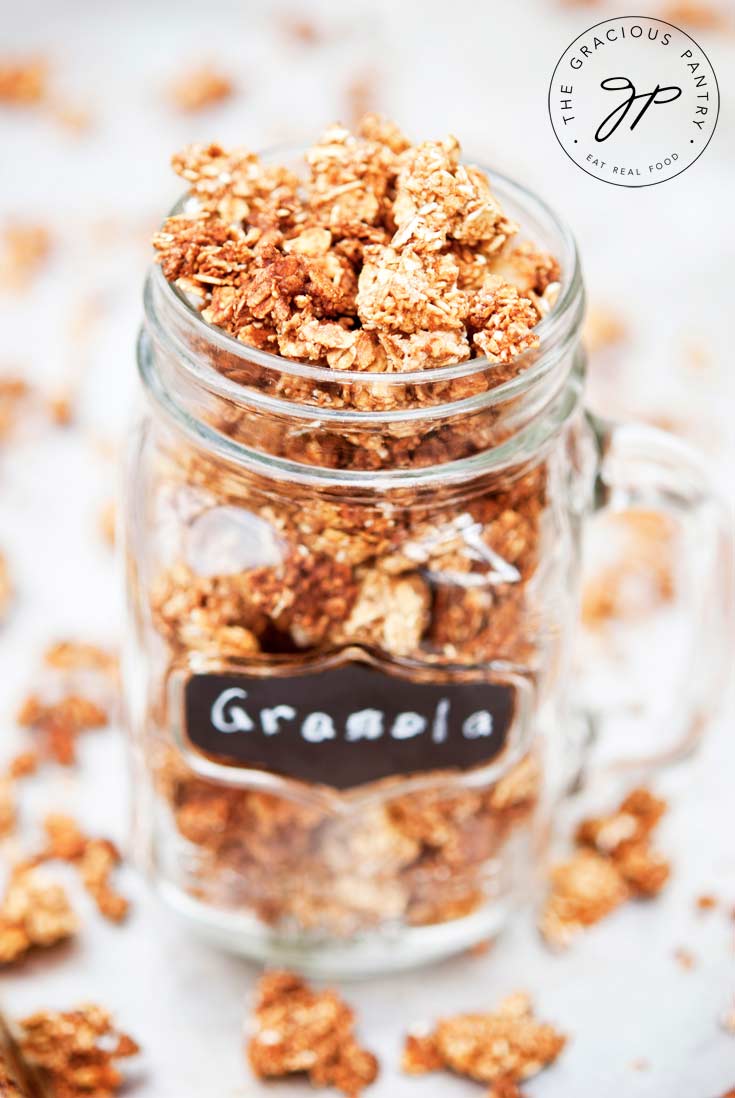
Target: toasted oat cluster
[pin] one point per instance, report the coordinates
(502, 1048)
(76, 689)
(614, 862)
(33, 913)
(387, 257)
(299, 1031)
(95, 860)
(200, 87)
(75, 1052)
(23, 82)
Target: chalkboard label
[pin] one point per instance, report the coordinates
(347, 725)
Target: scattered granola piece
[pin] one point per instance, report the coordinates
(33, 913)
(643, 580)
(614, 862)
(14, 392)
(685, 958)
(71, 655)
(502, 1047)
(634, 820)
(299, 29)
(200, 87)
(602, 328)
(61, 409)
(75, 1052)
(360, 97)
(61, 722)
(74, 119)
(6, 588)
(696, 14)
(301, 1031)
(706, 902)
(23, 764)
(23, 83)
(583, 891)
(727, 1020)
(25, 248)
(7, 808)
(95, 859)
(108, 522)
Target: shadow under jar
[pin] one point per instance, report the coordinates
(352, 604)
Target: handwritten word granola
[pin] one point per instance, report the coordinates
(613, 863)
(75, 1052)
(502, 1047)
(302, 1031)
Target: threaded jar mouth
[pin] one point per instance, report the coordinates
(179, 355)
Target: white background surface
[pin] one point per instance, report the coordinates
(662, 257)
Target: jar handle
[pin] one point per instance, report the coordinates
(643, 467)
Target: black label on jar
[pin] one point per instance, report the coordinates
(346, 725)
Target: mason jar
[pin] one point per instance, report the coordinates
(352, 610)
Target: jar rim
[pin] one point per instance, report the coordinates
(552, 326)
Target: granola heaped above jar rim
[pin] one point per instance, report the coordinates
(387, 258)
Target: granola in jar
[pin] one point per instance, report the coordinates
(352, 518)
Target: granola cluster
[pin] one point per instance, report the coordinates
(75, 1053)
(502, 1047)
(614, 862)
(299, 1031)
(33, 913)
(388, 257)
(78, 684)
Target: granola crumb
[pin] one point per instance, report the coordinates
(583, 891)
(72, 655)
(95, 860)
(23, 82)
(33, 913)
(75, 1052)
(7, 808)
(640, 1064)
(603, 328)
(6, 587)
(707, 902)
(613, 862)
(23, 765)
(14, 393)
(696, 14)
(503, 1047)
(61, 409)
(685, 958)
(108, 522)
(727, 1021)
(59, 723)
(302, 1031)
(200, 87)
(25, 249)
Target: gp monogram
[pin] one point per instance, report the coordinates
(633, 101)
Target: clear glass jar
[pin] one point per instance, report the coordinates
(352, 604)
